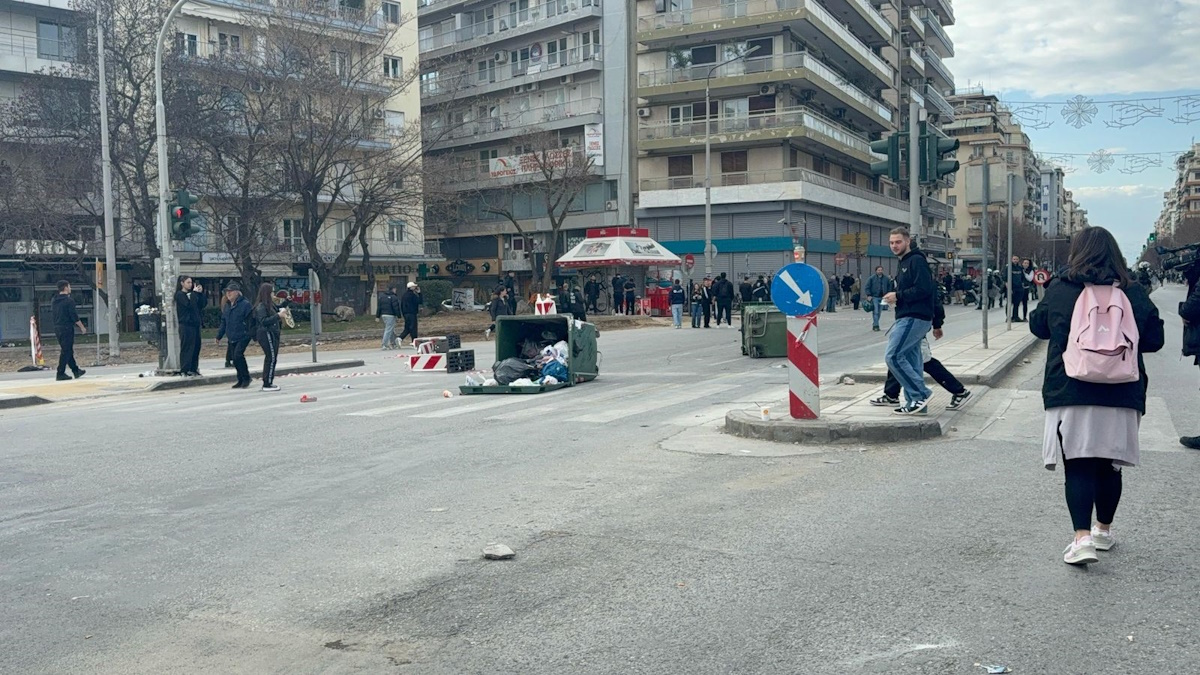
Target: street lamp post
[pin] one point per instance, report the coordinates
(708, 245)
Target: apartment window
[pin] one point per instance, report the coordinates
(391, 12)
(485, 160)
(976, 151)
(339, 62)
(556, 52)
(976, 221)
(520, 61)
(429, 83)
(292, 237)
(590, 41)
(1008, 156)
(518, 12)
(56, 41)
(704, 55)
(396, 227)
(952, 200)
(822, 166)
(486, 71)
(393, 67)
(187, 44)
(227, 42)
(394, 120)
(848, 175)
(679, 165)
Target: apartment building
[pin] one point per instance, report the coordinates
(797, 91)
(1181, 204)
(501, 84)
(1053, 221)
(989, 133)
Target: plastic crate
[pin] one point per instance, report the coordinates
(454, 341)
(460, 360)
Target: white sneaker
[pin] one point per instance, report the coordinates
(1081, 552)
(272, 387)
(1104, 540)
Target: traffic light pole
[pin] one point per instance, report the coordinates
(914, 168)
(166, 280)
(110, 235)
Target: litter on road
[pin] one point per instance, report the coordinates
(498, 552)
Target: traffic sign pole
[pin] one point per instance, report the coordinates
(804, 378)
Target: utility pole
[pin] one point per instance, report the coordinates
(708, 122)
(110, 235)
(983, 291)
(1008, 260)
(166, 280)
(914, 167)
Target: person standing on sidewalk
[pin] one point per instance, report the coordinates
(697, 302)
(235, 324)
(934, 368)
(877, 287)
(498, 307)
(746, 290)
(913, 299)
(189, 305)
(66, 320)
(831, 300)
(677, 299)
(706, 300)
(266, 322)
(410, 304)
(618, 294)
(724, 292)
(388, 310)
(630, 297)
(1020, 290)
(1092, 427)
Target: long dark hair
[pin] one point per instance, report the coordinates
(1095, 256)
(266, 295)
(179, 283)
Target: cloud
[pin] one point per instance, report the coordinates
(1077, 46)
(1118, 191)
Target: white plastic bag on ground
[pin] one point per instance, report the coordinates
(549, 379)
(523, 382)
(562, 351)
(490, 382)
(475, 378)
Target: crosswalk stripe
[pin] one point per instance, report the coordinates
(642, 405)
(497, 401)
(578, 399)
(774, 396)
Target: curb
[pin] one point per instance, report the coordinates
(206, 380)
(987, 378)
(818, 432)
(7, 402)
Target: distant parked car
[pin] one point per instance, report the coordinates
(448, 305)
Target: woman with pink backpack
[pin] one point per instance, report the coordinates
(1099, 322)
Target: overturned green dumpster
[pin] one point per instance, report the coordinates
(512, 334)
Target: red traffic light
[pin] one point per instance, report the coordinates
(180, 212)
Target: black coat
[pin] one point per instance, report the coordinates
(235, 320)
(1189, 311)
(388, 304)
(410, 302)
(188, 307)
(915, 290)
(62, 308)
(1051, 320)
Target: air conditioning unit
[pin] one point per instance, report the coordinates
(610, 205)
(500, 57)
(766, 90)
(643, 112)
(378, 113)
(518, 89)
(566, 79)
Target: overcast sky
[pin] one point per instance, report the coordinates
(1052, 50)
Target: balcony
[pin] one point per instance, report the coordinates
(746, 18)
(913, 65)
(936, 35)
(517, 122)
(936, 103)
(23, 52)
(471, 83)
(933, 208)
(938, 69)
(334, 14)
(491, 33)
(675, 84)
(799, 123)
(863, 19)
(943, 9)
(912, 27)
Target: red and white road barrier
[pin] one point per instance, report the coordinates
(544, 304)
(35, 343)
(804, 377)
(427, 362)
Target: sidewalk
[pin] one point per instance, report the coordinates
(848, 416)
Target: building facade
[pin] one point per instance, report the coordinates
(1181, 204)
(797, 90)
(504, 85)
(1053, 221)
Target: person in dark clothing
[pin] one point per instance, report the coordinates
(618, 293)
(190, 302)
(706, 300)
(235, 324)
(761, 292)
(1020, 289)
(723, 292)
(697, 302)
(934, 368)
(510, 284)
(746, 290)
(591, 290)
(228, 345)
(498, 307)
(914, 298)
(66, 320)
(570, 299)
(1092, 428)
(410, 304)
(388, 309)
(847, 283)
(676, 299)
(1189, 311)
(266, 322)
(630, 297)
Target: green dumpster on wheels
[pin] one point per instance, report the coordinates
(764, 331)
(583, 364)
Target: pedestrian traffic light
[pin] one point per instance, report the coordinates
(889, 146)
(933, 147)
(181, 216)
(1153, 237)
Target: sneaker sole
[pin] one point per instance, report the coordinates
(1082, 559)
(1106, 547)
(921, 412)
(888, 404)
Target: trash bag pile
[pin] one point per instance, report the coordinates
(539, 364)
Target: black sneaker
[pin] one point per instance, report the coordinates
(64, 378)
(958, 400)
(914, 408)
(240, 385)
(80, 373)
(1192, 442)
(885, 401)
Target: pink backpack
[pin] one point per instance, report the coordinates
(1103, 343)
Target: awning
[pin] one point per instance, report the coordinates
(230, 271)
(607, 247)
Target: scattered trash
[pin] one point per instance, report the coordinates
(436, 510)
(765, 413)
(833, 461)
(148, 373)
(498, 552)
(1027, 361)
(306, 398)
(846, 379)
(996, 670)
(1129, 637)
(345, 386)
(87, 637)
(80, 596)
(446, 393)
(953, 428)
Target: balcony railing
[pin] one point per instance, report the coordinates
(881, 24)
(752, 8)
(915, 21)
(939, 103)
(913, 56)
(799, 116)
(771, 176)
(352, 17)
(506, 26)
(29, 46)
(521, 120)
(943, 8)
(467, 82)
(433, 248)
(773, 63)
(934, 60)
(933, 25)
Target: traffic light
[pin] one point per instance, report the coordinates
(181, 216)
(933, 147)
(891, 147)
(1153, 237)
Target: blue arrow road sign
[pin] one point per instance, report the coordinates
(798, 289)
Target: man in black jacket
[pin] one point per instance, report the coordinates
(1020, 289)
(189, 305)
(1189, 311)
(705, 291)
(66, 320)
(410, 304)
(914, 300)
(746, 290)
(934, 368)
(388, 310)
(235, 323)
(723, 290)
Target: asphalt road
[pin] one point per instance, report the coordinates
(245, 532)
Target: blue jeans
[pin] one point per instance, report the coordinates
(904, 357)
(831, 301)
(696, 311)
(389, 331)
(876, 310)
(677, 315)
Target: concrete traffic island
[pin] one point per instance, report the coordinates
(832, 429)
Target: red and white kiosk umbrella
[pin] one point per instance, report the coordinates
(615, 246)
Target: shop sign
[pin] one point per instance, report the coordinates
(220, 258)
(48, 247)
(380, 269)
(593, 139)
(521, 165)
(460, 268)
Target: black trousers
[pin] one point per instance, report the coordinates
(66, 354)
(630, 302)
(725, 308)
(269, 341)
(934, 369)
(618, 302)
(228, 354)
(410, 327)
(189, 348)
(707, 312)
(239, 359)
(1020, 301)
(1092, 482)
